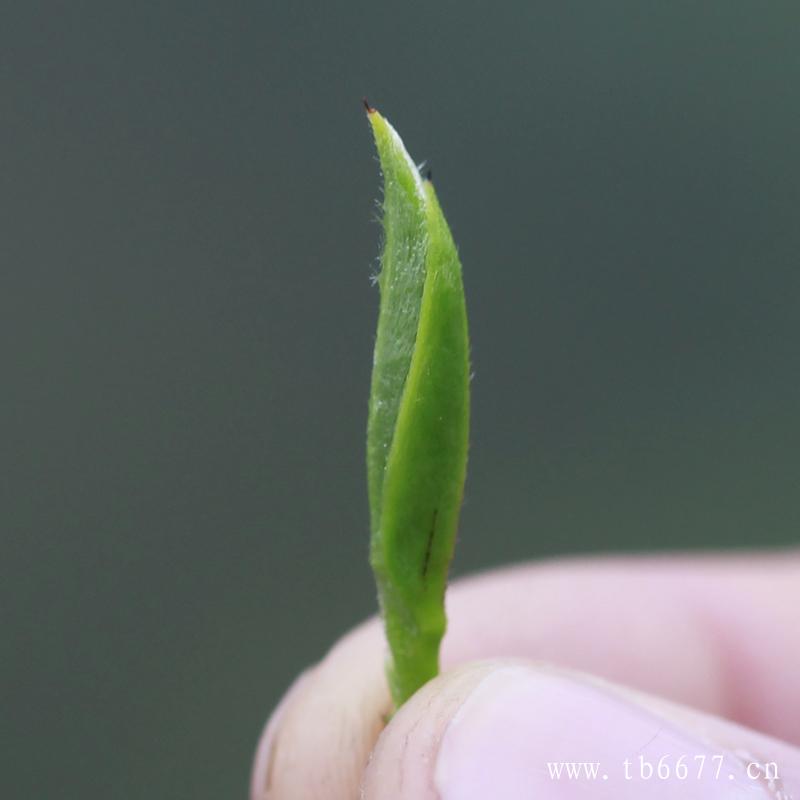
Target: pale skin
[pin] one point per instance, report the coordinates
(716, 633)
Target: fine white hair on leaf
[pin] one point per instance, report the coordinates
(411, 165)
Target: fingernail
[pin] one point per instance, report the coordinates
(525, 733)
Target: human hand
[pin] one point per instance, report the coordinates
(718, 634)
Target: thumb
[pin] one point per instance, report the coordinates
(511, 729)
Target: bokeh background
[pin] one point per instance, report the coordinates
(188, 234)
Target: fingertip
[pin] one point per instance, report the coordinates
(319, 738)
(400, 764)
(261, 773)
(508, 729)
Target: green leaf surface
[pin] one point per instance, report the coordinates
(418, 416)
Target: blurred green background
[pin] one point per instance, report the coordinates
(187, 317)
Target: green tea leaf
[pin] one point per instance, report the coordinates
(418, 416)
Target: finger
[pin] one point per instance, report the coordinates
(511, 730)
(316, 743)
(721, 634)
(717, 633)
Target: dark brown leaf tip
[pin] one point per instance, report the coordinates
(369, 109)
